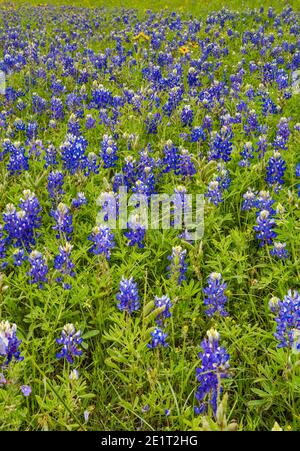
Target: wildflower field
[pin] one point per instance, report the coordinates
(108, 321)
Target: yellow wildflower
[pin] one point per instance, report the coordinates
(184, 49)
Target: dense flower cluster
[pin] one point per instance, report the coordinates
(99, 102)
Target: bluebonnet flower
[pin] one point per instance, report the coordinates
(221, 144)
(223, 176)
(140, 190)
(57, 108)
(252, 125)
(177, 267)
(152, 121)
(109, 206)
(279, 250)
(268, 106)
(74, 375)
(64, 220)
(118, 180)
(274, 304)
(288, 320)
(249, 200)
(180, 205)
(92, 165)
(79, 200)
(50, 157)
(163, 301)
(187, 115)
(128, 296)
(18, 161)
(90, 122)
(214, 367)
(70, 340)
(21, 105)
(192, 77)
(109, 151)
(10, 220)
(64, 264)
(129, 171)
(56, 86)
(20, 226)
(136, 232)
(186, 166)
(36, 147)
(55, 184)
(146, 183)
(171, 157)
(275, 170)
(73, 153)
(215, 298)
(73, 125)
(9, 343)
(214, 192)
(264, 228)
(19, 257)
(247, 154)
(8, 147)
(207, 123)
(103, 241)
(2, 244)
(19, 124)
(31, 130)
(26, 390)
(264, 201)
(39, 104)
(282, 135)
(38, 269)
(158, 339)
(262, 146)
(30, 204)
(197, 133)
(101, 96)
(175, 96)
